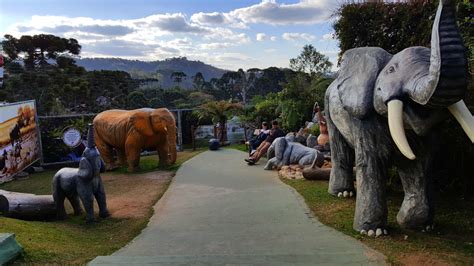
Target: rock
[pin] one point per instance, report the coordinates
(38, 169)
(363, 232)
(214, 144)
(345, 194)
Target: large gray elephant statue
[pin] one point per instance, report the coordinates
(83, 182)
(380, 102)
(285, 152)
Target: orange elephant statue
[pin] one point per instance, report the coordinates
(128, 132)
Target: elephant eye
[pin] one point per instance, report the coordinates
(391, 69)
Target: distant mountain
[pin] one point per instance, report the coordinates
(161, 70)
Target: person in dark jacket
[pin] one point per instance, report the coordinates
(254, 143)
(276, 132)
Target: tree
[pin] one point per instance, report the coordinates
(310, 61)
(36, 50)
(219, 112)
(198, 81)
(178, 77)
(137, 100)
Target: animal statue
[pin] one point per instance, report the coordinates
(323, 137)
(15, 134)
(413, 90)
(128, 132)
(82, 183)
(284, 152)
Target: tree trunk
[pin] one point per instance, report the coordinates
(28, 206)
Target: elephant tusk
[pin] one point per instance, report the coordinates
(464, 118)
(395, 124)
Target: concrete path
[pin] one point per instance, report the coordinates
(218, 210)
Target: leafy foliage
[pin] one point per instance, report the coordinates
(311, 61)
(395, 26)
(36, 50)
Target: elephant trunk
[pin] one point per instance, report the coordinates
(447, 80)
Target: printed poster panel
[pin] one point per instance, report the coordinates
(19, 139)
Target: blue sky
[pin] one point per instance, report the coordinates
(228, 34)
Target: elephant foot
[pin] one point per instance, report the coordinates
(346, 194)
(104, 214)
(375, 232)
(415, 214)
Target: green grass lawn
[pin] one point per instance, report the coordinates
(72, 241)
(451, 242)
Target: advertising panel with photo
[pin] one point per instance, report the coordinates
(19, 140)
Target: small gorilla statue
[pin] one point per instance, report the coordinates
(284, 152)
(83, 182)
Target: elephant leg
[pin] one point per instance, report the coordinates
(87, 198)
(101, 200)
(373, 149)
(342, 159)
(74, 200)
(122, 157)
(132, 150)
(106, 152)
(271, 163)
(163, 153)
(417, 209)
(59, 197)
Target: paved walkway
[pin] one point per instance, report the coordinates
(220, 211)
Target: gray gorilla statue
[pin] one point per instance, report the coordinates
(284, 152)
(381, 109)
(83, 182)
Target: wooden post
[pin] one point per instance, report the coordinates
(180, 132)
(29, 206)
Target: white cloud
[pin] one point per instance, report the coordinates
(271, 50)
(273, 38)
(174, 23)
(271, 12)
(209, 18)
(261, 37)
(328, 37)
(294, 36)
(215, 45)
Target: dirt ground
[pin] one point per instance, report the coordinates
(130, 196)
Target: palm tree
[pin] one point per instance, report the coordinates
(219, 112)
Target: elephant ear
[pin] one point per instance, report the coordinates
(141, 122)
(356, 78)
(85, 169)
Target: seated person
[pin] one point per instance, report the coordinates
(276, 132)
(262, 135)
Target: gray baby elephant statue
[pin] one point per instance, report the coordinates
(284, 152)
(83, 182)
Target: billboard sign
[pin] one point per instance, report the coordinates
(19, 138)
